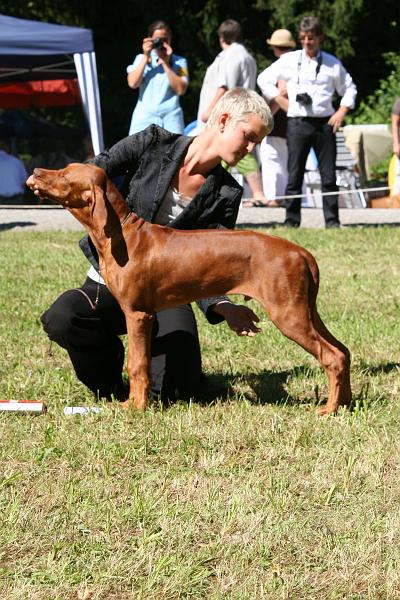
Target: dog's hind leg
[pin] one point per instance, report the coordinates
(343, 391)
(295, 322)
(138, 326)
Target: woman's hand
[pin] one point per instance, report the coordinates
(147, 46)
(239, 318)
(165, 53)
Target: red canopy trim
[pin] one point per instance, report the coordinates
(40, 94)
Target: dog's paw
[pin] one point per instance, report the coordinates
(325, 411)
(130, 404)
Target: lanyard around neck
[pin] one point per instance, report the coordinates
(319, 63)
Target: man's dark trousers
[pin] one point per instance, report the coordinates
(302, 134)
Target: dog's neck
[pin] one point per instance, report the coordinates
(104, 217)
(117, 212)
(105, 220)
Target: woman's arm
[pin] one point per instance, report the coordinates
(135, 77)
(125, 155)
(179, 84)
(178, 81)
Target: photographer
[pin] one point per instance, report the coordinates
(161, 77)
(312, 78)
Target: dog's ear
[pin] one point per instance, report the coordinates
(87, 196)
(96, 199)
(102, 215)
(112, 192)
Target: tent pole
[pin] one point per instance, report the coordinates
(85, 64)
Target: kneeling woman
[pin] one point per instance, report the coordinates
(176, 181)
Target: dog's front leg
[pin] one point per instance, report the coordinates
(139, 325)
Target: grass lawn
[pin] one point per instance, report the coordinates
(243, 497)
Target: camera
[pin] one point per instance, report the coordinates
(158, 43)
(304, 99)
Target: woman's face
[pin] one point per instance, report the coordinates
(238, 138)
(162, 33)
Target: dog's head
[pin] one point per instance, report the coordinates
(72, 187)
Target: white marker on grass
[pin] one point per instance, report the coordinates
(81, 410)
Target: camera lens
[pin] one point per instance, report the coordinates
(158, 43)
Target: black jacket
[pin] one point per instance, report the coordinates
(148, 162)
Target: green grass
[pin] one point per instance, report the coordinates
(240, 498)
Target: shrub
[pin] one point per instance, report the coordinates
(376, 108)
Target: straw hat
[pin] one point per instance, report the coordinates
(282, 38)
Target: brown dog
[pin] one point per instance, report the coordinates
(149, 268)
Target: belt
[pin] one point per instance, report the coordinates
(318, 119)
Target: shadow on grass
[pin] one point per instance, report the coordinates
(376, 369)
(263, 225)
(267, 387)
(12, 225)
(369, 225)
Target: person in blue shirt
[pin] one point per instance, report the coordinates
(12, 173)
(161, 77)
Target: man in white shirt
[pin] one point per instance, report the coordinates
(312, 78)
(233, 67)
(12, 176)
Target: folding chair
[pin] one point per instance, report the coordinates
(347, 177)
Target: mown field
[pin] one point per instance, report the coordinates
(245, 495)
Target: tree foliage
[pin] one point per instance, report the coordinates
(376, 108)
(359, 32)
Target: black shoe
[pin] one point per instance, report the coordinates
(333, 225)
(291, 224)
(119, 391)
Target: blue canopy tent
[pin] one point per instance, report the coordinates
(36, 51)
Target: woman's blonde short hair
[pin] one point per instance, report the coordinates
(240, 103)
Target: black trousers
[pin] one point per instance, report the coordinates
(304, 133)
(91, 338)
